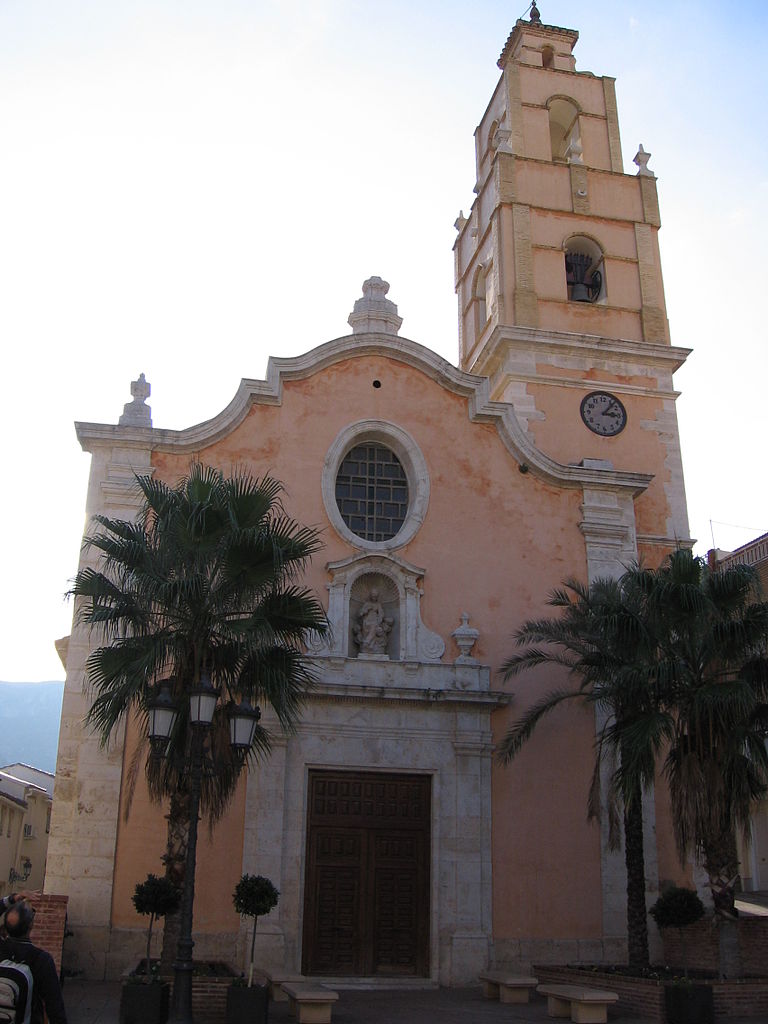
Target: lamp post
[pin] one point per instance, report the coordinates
(163, 713)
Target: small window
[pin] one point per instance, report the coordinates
(372, 492)
(28, 831)
(584, 270)
(48, 819)
(547, 57)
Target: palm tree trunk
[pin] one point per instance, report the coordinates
(634, 858)
(175, 859)
(721, 862)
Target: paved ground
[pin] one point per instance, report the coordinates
(97, 1002)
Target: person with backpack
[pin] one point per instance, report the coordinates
(17, 952)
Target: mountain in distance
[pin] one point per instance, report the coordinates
(30, 715)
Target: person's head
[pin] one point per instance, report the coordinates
(19, 920)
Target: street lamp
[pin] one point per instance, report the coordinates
(243, 719)
(163, 712)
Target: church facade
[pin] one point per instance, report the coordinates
(452, 499)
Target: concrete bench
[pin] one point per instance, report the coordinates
(506, 987)
(276, 979)
(585, 1005)
(310, 1004)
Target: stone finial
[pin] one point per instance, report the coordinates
(461, 221)
(136, 413)
(465, 637)
(535, 16)
(375, 313)
(641, 159)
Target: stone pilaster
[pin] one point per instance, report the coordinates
(472, 926)
(526, 303)
(612, 117)
(650, 196)
(504, 171)
(653, 318)
(262, 848)
(579, 193)
(514, 108)
(81, 851)
(608, 526)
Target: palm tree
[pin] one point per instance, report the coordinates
(713, 669)
(601, 639)
(203, 584)
(676, 659)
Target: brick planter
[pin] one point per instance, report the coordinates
(209, 996)
(209, 999)
(701, 944)
(645, 996)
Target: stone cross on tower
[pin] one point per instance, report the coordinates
(137, 413)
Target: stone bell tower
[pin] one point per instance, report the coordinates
(558, 276)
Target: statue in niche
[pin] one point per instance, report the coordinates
(372, 629)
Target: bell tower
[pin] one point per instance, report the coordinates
(558, 276)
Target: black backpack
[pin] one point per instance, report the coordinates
(15, 992)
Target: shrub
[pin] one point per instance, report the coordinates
(156, 897)
(677, 908)
(253, 897)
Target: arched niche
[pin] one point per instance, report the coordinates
(399, 593)
(584, 269)
(374, 617)
(564, 131)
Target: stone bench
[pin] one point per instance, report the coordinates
(506, 987)
(310, 1004)
(276, 979)
(584, 1005)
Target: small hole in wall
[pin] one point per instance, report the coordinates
(377, 383)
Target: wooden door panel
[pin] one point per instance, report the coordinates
(337, 947)
(399, 903)
(335, 859)
(366, 901)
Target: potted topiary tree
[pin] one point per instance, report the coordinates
(144, 997)
(247, 1003)
(686, 1003)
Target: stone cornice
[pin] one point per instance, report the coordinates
(474, 388)
(504, 338)
(361, 694)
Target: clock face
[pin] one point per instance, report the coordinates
(603, 413)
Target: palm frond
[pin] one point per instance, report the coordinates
(522, 730)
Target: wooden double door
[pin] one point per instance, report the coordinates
(366, 898)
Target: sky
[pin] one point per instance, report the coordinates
(188, 187)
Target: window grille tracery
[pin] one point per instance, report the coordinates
(372, 492)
